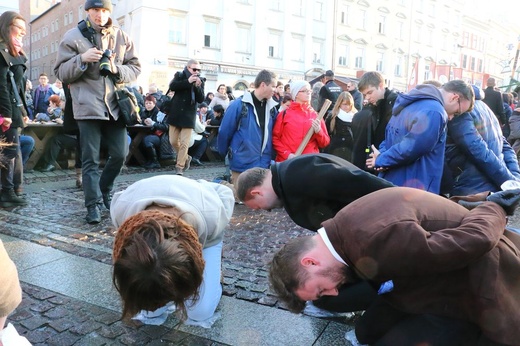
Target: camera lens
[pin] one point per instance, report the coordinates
(104, 63)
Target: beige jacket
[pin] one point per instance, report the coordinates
(10, 290)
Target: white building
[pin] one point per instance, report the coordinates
(408, 41)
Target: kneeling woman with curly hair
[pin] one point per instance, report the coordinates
(168, 246)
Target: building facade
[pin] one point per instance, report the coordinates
(408, 41)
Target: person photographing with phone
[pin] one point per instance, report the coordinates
(188, 86)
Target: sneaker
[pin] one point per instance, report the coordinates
(107, 199)
(48, 168)
(196, 162)
(93, 215)
(188, 163)
(179, 171)
(9, 199)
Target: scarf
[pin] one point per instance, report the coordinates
(17, 44)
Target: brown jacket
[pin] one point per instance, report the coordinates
(442, 258)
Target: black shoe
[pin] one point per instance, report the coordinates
(9, 199)
(107, 199)
(48, 168)
(152, 165)
(196, 162)
(508, 200)
(93, 215)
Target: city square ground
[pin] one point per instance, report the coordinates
(64, 266)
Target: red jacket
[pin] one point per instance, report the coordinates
(291, 127)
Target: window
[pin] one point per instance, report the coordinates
(318, 10)
(52, 47)
(243, 38)
(474, 41)
(464, 61)
(344, 15)
(297, 49)
(473, 64)
(177, 29)
(382, 21)
(71, 17)
(398, 70)
(480, 65)
(211, 34)
(52, 26)
(298, 8)
(430, 37)
(427, 73)
(417, 33)
(360, 57)
(465, 39)
(379, 61)
(81, 13)
(399, 30)
(317, 48)
(65, 19)
(57, 24)
(343, 54)
(276, 5)
(274, 43)
(362, 19)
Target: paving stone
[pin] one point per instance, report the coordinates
(85, 328)
(34, 322)
(112, 331)
(61, 324)
(108, 317)
(94, 339)
(40, 335)
(63, 339)
(57, 312)
(41, 306)
(20, 314)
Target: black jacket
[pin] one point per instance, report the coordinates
(329, 91)
(358, 98)
(314, 187)
(183, 106)
(375, 117)
(8, 103)
(494, 101)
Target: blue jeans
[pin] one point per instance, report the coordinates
(26, 146)
(114, 137)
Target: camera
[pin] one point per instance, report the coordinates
(202, 79)
(104, 63)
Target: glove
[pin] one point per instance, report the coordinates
(508, 200)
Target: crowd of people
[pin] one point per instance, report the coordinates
(423, 251)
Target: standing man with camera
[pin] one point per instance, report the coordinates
(92, 58)
(188, 86)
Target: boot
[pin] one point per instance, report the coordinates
(152, 156)
(93, 215)
(9, 199)
(79, 178)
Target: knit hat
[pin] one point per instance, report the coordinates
(106, 4)
(296, 86)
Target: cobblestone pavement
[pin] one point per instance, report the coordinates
(55, 217)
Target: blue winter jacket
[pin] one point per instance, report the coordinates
(413, 150)
(242, 139)
(477, 155)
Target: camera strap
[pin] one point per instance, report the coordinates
(87, 31)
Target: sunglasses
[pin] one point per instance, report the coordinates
(195, 69)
